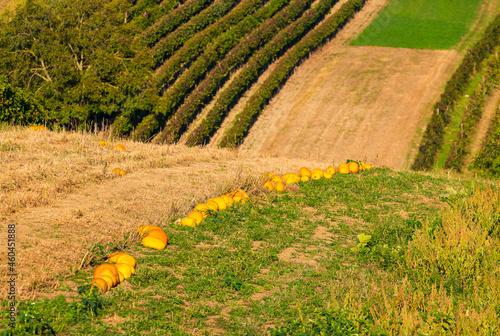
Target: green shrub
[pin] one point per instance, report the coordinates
(19, 107)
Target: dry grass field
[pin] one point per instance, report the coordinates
(60, 190)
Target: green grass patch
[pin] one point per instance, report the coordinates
(421, 24)
(291, 263)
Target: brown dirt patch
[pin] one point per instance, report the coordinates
(322, 233)
(114, 320)
(291, 255)
(9, 5)
(345, 102)
(260, 296)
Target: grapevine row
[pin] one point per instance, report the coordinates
(215, 52)
(198, 42)
(239, 129)
(123, 124)
(432, 140)
(169, 44)
(146, 12)
(254, 67)
(218, 75)
(174, 19)
(471, 116)
(487, 160)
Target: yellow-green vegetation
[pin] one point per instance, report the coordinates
(424, 24)
(375, 253)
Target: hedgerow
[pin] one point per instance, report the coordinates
(213, 54)
(432, 140)
(488, 158)
(219, 74)
(254, 67)
(243, 121)
(147, 12)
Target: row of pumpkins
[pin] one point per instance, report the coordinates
(120, 266)
(271, 182)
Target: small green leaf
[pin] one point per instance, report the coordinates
(363, 239)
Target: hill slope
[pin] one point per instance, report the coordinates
(371, 246)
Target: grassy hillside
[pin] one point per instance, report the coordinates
(301, 260)
(422, 24)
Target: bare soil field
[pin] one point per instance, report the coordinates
(60, 191)
(354, 102)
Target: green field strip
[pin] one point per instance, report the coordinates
(421, 24)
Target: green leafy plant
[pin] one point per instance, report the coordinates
(19, 107)
(363, 242)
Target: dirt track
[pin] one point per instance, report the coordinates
(344, 102)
